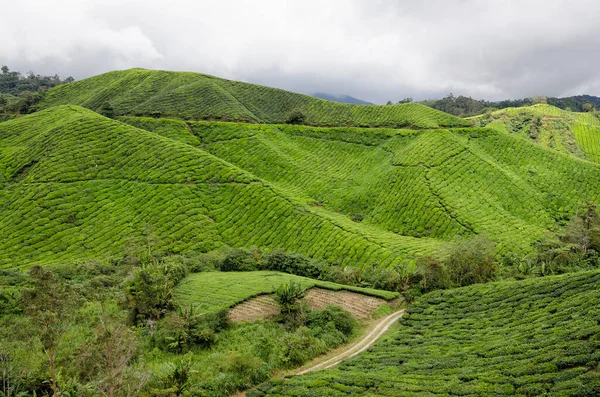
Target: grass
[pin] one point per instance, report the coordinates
(194, 96)
(526, 338)
(212, 291)
(573, 133)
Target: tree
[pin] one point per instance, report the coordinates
(107, 110)
(293, 312)
(296, 117)
(588, 107)
(109, 354)
(3, 103)
(540, 99)
(471, 261)
(406, 100)
(584, 229)
(148, 294)
(50, 305)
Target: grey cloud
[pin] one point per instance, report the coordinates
(374, 50)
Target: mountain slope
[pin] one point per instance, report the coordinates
(574, 133)
(195, 96)
(527, 338)
(437, 183)
(341, 98)
(75, 185)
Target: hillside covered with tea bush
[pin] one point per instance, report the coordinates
(195, 96)
(527, 338)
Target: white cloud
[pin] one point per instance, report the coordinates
(376, 50)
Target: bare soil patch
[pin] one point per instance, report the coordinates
(264, 306)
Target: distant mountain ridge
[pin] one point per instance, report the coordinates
(341, 98)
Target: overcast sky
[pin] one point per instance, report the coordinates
(371, 49)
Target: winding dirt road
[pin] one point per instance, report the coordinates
(359, 346)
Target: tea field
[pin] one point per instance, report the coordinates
(75, 185)
(436, 183)
(520, 338)
(568, 132)
(194, 96)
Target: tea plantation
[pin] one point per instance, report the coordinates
(75, 185)
(434, 183)
(195, 96)
(212, 291)
(574, 133)
(527, 338)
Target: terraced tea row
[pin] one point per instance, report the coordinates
(476, 180)
(534, 337)
(212, 291)
(75, 185)
(195, 96)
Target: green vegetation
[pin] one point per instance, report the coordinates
(194, 96)
(113, 329)
(573, 133)
(527, 338)
(76, 185)
(213, 291)
(379, 180)
(463, 106)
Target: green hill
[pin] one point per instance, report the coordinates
(194, 96)
(574, 133)
(529, 338)
(75, 185)
(436, 183)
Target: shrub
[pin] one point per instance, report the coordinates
(238, 260)
(295, 117)
(471, 261)
(341, 319)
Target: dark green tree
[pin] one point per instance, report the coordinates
(107, 110)
(51, 306)
(296, 117)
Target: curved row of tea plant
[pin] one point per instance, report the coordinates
(196, 96)
(526, 338)
(75, 185)
(438, 183)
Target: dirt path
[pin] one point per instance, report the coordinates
(359, 346)
(363, 344)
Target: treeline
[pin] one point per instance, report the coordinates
(463, 106)
(19, 93)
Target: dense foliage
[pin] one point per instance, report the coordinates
(20, 93)
(114, 329)
(528, 338)
(463, 106)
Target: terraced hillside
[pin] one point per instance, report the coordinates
(574, 133)
(75, 185)
(195, 96)
(436, 183)
(527, 338)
